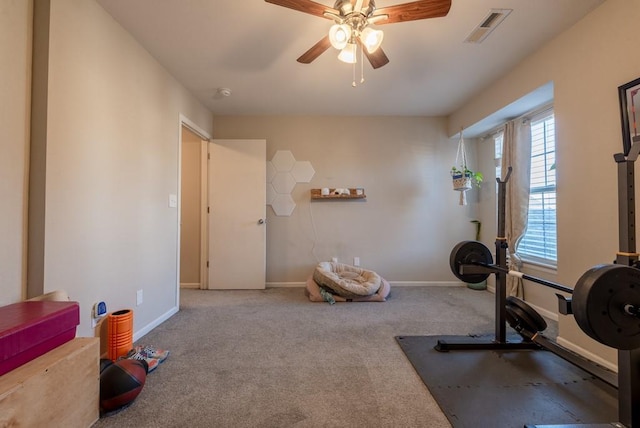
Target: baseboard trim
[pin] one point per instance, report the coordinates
(544, 312)
(587, 354)
(392, 283)
(285, 284)
(190, 285)
(162, 318)
(427, 284)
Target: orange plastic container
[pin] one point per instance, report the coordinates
(120, 332)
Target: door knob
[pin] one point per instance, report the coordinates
(261, 221)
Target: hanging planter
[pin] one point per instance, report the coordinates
(463, 177)
(461, 181)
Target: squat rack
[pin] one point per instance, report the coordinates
(628, 379)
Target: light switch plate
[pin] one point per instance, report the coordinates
(173, 200)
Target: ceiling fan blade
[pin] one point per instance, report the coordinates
(315, 51)
(377, 58)
(306, 6)
(413, 11)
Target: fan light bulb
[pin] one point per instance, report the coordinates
(339, 35)
(371, 39)
(348, 54)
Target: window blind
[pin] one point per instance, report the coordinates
(540, 240)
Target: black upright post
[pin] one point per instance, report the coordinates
(628, 361)
(501, 260)
(500, 339)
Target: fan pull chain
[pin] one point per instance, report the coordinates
(361, 65)
(353, 82)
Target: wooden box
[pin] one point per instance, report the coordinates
(58, 389)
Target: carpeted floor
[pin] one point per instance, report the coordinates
(271, 358)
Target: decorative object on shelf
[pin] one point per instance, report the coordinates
(463, 177)
(338, 193)
(628, 94)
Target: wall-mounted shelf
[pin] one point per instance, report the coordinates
(353, 194)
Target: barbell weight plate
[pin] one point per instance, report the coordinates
(531, 318)
(469, 252)
(598, 304)
(516, 319)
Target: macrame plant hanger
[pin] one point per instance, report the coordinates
(461, 180)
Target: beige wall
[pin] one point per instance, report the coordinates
(190, 210)
(586, 63)
(411, 218)
(15, 90)
(112, 160)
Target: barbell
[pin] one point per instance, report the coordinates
(605, 300)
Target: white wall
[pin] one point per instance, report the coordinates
(15, 91)
(112, 161)
(411, 218)
(586, 64)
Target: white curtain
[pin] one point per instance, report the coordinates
(516, 152)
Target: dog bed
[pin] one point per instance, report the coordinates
(346, 280)
(317, 294)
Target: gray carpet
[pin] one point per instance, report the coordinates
(271, 358)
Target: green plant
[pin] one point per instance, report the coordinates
(478, 224)
(476, 177)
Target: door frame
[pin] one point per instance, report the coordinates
(184, 121)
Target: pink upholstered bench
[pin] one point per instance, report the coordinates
(30, 329)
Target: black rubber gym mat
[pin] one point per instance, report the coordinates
(509, 389)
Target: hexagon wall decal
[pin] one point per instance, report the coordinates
(283, 205)
(271, 171)
(271, 193)
(283, 172)
(283, 182)
(302, 171)
(283, 160)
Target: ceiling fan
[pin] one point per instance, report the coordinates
(352, 25)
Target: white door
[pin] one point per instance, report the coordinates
(237, 229)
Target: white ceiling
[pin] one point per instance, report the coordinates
(251, 47)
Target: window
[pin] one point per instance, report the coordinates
(539, 244)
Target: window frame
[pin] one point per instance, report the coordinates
(528, 258)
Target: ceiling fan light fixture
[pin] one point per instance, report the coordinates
(348, 54)
(339, 35)
(371, 39)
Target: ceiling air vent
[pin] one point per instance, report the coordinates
(488, 24)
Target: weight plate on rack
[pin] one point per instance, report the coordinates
(468, 252)
(516, 319)
(525, 316)
(598, 303)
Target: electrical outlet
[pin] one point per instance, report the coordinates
(138, 297)
(356, 261)
(334, 259)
